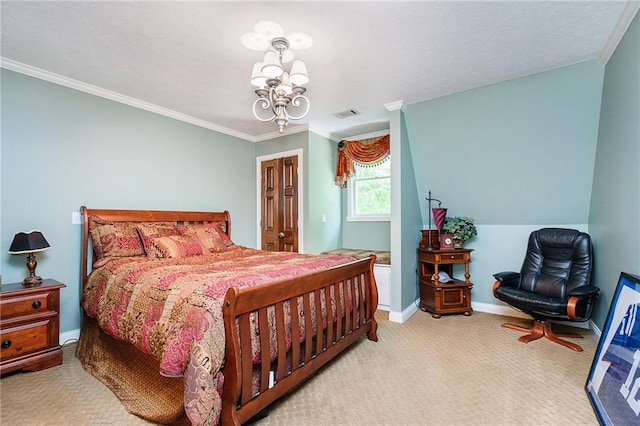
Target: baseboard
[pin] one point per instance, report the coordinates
(69, 336)
(490, 308)
(510, 312)
(404, 315)
(383, 308)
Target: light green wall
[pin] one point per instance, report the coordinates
(410, 221)
(512, 153)
(516, 156)
(614, 216)
(63, 148)
(323, 233)
(366, 235)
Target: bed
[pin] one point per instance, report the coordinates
(188, 327)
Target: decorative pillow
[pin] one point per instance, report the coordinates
(178, 246)
(223, 234)
(114, 239)
(149, 231)
(208, 235)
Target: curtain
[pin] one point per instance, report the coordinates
(365, 152)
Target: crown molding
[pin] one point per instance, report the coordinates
(276, 134)
(378, 134)
(618, 32)
(393, 106)
(117, 97)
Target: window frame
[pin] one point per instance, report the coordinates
(351, 201)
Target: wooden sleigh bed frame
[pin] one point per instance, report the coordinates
(249, 387)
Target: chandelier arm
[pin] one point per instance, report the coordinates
(296, 102)
(265, 104)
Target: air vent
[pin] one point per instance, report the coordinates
(348, 113)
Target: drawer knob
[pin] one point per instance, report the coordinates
(6, 344)
(36, 304)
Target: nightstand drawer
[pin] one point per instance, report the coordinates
(24, 305)
(452, 257)
(24, 339)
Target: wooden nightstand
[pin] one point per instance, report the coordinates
(30, 326)
(440, 298)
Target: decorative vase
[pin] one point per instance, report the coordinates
(457, 243)
(439, 215)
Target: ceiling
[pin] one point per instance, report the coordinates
(185, 59)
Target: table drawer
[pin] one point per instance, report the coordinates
(24, 305)
(24, 339)
(452, 257)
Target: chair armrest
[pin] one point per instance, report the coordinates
(508, 278)
(583, 291)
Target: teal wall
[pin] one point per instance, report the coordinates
(410, 220)
(516, 156)
(366, 235)
(614, 216)
(63, 148)
(511, 153)
(324, 197)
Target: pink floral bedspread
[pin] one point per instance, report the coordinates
(172, 309)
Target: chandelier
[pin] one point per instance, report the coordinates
(278, 89)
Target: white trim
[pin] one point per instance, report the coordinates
(392, 106)
(508, 311)
(276, 134)
(378, 134)
(504, 310)
(404, 315)
(351, 201)
(291, 153)
(137, 103)
(69, 336)
(618, 32)
(370, 218)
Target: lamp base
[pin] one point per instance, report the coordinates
(32, 281)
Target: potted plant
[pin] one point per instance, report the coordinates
(461, 228)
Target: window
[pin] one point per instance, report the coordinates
(369, 192)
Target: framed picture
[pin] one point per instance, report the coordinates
(613, 384)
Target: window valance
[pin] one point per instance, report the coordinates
(365, 152)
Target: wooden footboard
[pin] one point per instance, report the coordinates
(350, 298)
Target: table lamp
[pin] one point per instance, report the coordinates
(29, 243)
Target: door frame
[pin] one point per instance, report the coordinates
(291, 153)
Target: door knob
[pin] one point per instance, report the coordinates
(281, 235)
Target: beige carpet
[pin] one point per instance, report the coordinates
(456, 370)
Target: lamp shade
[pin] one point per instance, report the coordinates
(257, 78)
(299, 74)
(271, 66)
(28, 242)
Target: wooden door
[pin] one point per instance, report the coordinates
(279, 217)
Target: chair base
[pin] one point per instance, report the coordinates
(543, 329)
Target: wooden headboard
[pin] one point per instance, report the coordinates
(111, 215)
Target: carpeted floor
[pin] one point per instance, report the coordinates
(455, 370)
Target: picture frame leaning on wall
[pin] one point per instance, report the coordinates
(613, 384)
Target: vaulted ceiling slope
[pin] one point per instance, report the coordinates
(185, 59)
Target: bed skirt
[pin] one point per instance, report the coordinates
(132, 376)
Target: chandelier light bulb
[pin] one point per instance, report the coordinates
(286, 84)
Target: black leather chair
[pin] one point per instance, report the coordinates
(553, 283)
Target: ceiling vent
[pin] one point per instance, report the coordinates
(348, 113)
